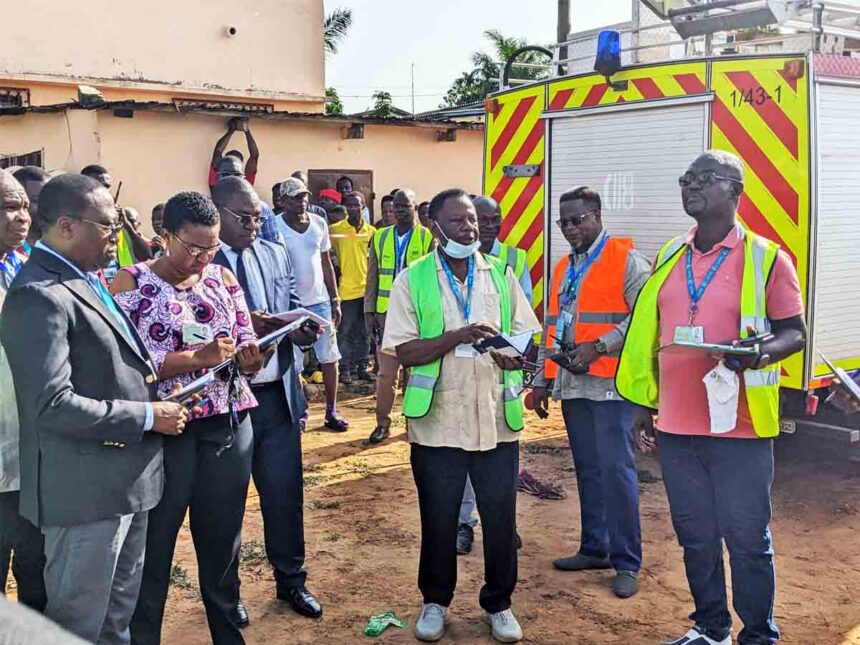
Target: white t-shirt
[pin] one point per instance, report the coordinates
(305, 250)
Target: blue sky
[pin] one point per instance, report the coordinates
(438, 36)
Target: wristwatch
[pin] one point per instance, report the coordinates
(600, 347)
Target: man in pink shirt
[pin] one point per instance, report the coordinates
(717, 469)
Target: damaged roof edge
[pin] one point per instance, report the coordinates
(155, 106)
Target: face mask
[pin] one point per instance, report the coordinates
(459, 251)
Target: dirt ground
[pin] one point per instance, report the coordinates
(362, 533)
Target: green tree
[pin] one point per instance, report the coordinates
(333, 104)
(335, 28)
(484, 78)
(383, 104)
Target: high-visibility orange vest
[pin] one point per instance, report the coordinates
(600, 308)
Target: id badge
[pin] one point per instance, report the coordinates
(690, 335)
(565, 321)
(195, 334)
(466, 351)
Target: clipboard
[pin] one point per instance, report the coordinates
(736, 350)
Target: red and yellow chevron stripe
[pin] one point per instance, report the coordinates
(643, 84)
(514, 134)
(760, 113)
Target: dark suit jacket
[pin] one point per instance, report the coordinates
(281, 296)
(81, 384)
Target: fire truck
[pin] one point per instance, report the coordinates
(775, 82)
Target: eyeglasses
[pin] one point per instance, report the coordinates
(108, 229)
(703, 178)
(230, 173)
(576, 220)
(244, 220)
(196, 251)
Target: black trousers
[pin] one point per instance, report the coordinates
(352, 336)
(28, 563)
(277, 469)
(213, 489)
(440, 476)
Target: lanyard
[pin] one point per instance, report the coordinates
(574, 276)
(28, 250)
(400, 248)
(465, 307)
(696, 294)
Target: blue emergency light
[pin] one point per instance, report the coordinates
(608, 61)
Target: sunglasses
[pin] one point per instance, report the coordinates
(576, 220)
(703, 178)
(244, 220)
(107, 229)
(196, 251)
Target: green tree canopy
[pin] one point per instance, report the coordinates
(474, 85)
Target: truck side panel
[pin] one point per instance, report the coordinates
(760, 112)
(514, 137)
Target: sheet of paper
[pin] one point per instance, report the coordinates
(845, 379)
(295, 314)
(723, 387)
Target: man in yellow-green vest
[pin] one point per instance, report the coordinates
(392, 249)
(717, 414)
(463, 408)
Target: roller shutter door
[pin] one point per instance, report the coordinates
(633, 159)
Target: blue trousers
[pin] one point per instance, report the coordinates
(719, 489)
(601, 440)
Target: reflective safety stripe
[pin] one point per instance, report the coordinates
(670, 250)
(760, 324)
(758, 251)
(760, 378)
(511, 394)
(384, 293)
(386, 272)
(602, 318)
(421, 381)
(551, 320)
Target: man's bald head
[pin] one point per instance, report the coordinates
(730, 164)
(405, 208)
(712, 186)
(489, 221)
(228, 187)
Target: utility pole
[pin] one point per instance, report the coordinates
(413, 88)
(562, 31)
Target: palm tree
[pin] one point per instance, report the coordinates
(335, 27)
(503, 48)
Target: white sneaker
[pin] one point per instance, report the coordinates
(505, 627)
(431, 624)
(695, 637)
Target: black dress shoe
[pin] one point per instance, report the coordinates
(301, 600)
(241, 615)
(379, 434)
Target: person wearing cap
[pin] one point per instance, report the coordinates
(305, 236)
(593, 291)
(328, 198)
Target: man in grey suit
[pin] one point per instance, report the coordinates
(265, 273)
(90, 448)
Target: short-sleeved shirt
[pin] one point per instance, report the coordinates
(305, 250)
(213, 176)
(160, 313)
(683, 397)
(467, 410)
(351, 248)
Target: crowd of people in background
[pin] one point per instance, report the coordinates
(103, 326)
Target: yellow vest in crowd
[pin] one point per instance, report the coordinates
(419, 244)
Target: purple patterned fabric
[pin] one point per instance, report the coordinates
(159, 310)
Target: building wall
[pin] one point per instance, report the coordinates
(157, 154)
(277, 52)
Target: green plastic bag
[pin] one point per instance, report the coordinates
(380, 622)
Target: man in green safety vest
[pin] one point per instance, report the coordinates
(464, 408)
(392, 249)
(717, 414)
(489, 227)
